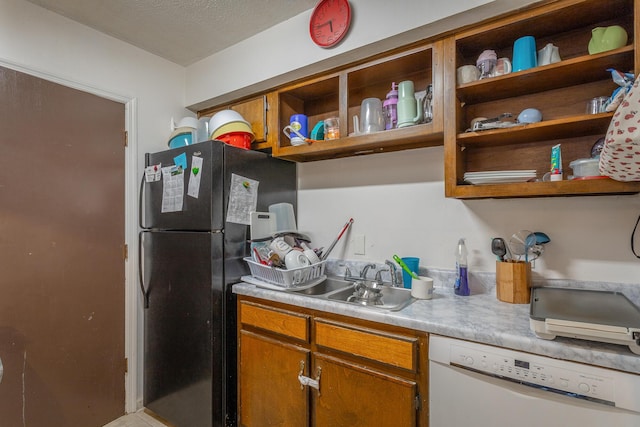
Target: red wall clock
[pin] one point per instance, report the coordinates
(329, 22)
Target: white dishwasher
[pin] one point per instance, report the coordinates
(472, 384)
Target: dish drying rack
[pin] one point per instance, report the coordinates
(293, 278)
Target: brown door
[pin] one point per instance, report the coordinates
(61, 255)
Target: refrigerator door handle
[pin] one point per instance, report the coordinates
(141, 203)
(145, 292)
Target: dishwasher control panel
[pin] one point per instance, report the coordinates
(534, 371)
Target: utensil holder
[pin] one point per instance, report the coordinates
(513, 282)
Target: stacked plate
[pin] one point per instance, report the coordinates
(499, 177)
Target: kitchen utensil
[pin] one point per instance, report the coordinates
(548, 54)
(317, 132)
(258, 257)
(492, 123)
(371, 117)
(299, 123)
(597, 105)
(237, 139)
(503, 66)
(513, 282)
(529, 115)
(521, 242)
(422, 287)
(467, 74)
(525, 55)
(427, 105)
(541, 238)
(263, 225)
(332, 128)
(296, 259)
(486, 63)
(333, 244)
(499, 247)
(224, 117)
(409, 108)
(405, 267)
(607, 38)
(285, 218)
(585, 167)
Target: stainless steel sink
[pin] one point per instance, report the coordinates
(331, 284)
(340, 290)
(393, 299)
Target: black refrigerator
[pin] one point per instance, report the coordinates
(192, 247)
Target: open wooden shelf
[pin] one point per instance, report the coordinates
(582, 69)
(586, 124)
(547, 189)
(560, 91)
(390, 140)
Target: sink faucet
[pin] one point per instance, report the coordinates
(393, 272)
(363, 273)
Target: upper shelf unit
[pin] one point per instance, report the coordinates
(340, 94)
(560, 91)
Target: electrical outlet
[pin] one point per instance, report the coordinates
(358, 244)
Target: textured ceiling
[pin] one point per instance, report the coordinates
(182, 31)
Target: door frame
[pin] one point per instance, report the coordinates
(131, 285)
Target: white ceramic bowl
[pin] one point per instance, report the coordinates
(296, 259)
(223, 117)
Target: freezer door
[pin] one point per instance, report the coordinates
(201, 213)
(182, 275)
(276, 178)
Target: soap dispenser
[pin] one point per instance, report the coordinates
(390, 108)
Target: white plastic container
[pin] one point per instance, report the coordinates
(585, 167)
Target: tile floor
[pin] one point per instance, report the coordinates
(137, 419)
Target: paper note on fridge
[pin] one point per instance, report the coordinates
(153, 173)
(243, 199)
(172, 189)
(194, 177)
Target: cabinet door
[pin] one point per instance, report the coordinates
(255, 112)
(353, 395)
(269, 391)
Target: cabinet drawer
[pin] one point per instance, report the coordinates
(392, 349)
(281, 322)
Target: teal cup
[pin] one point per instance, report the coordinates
(413, 264)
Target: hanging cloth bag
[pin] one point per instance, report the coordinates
(620, 157)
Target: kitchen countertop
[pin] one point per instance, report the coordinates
(480, 317)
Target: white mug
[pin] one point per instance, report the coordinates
(467, 74)
(422, 288)
(280, 247)
(503, 66)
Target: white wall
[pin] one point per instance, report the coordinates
(397, 199)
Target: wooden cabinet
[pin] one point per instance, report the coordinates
(560, 91)
(340, 94)
(301, 367)
(257, 112)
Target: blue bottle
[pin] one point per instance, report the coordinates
(461, 286)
